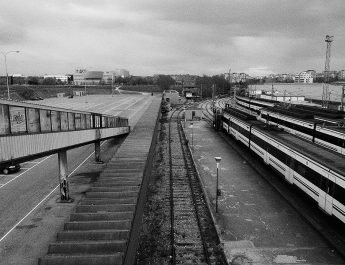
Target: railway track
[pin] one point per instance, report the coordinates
(207, 111)
(194, 239)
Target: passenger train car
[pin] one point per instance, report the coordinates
(317, 172)
(321, 132)
(323, 127)
(253, 104)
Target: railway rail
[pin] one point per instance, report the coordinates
(207, 111)
(194, 238)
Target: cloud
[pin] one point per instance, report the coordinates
(151, 36)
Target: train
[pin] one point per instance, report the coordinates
(318, 172)
(323, 127)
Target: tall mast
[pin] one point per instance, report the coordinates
(325, 91)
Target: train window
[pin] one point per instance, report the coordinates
(258, 141)
(18, 119)
(4, 119)
(330, 138)
(56, 123)
(45, 120)
(327, 186)
(281, 156)
(339, 193)
(64, 121)
(313, 176)
(300, 168)
(33, 120)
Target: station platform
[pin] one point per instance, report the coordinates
(105, 222)
(255, 223)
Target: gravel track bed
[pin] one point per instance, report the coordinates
(191, 242)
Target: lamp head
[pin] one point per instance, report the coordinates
(218, 159)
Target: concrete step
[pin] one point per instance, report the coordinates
(115, 194)
(115, 188)
(96, 201)
(128, 178)
(63, 259)
(98, 225)
(75, 217)
(122, 170)
(124, 158)
(116, 182)
(119, 165)
(105, 208)
(87, 247)
(122, 174)
(93, 235)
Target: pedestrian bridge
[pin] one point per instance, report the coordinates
(30, 130)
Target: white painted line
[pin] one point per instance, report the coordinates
(28, 214)
(24, 172)
(26, 168)
(45, 197)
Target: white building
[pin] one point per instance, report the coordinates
(305, 77)
(62, 78)
(85, 77)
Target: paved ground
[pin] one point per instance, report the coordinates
(257, 225)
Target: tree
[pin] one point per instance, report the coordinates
(165, 81)
(33, 80)
(49, 81)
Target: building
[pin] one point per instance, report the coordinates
(172, 97)
(238, 77)
(341, 75)
(109, 77)
(193, 113)
(85, 77)
(122, 73)
(283, 98)
(187, 81)
(62, 78)
(305, 77)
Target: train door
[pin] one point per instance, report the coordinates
(326, 194)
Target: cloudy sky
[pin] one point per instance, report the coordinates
(171, 36)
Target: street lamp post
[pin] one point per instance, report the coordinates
(218, 159)
(191, 125)
(5, 57)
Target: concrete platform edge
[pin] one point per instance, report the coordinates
(207, 199)
(133, 241)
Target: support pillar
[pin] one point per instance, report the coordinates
(63, 175)
(98, 152)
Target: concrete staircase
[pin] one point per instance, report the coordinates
(99, 230)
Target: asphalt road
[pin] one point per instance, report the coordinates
(29, 213)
